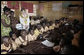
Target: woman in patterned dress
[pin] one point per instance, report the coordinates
(5, 22)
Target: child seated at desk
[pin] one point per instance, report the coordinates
(21, 40)
(31, 35)
(36, 31)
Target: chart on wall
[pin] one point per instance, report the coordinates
(66, 4)
(57, 6)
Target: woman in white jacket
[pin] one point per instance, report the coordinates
(24, 19)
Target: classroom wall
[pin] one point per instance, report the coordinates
(13, 4)
(79, 15)
(17, 11)
(52, 15)
(45, 9)
(49, 13)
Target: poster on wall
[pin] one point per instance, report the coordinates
(57, 6)
(13, 4)
(28, 6)
(66, 4)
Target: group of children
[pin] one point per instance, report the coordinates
(26, 37)
(36, 31)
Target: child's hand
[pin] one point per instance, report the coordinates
(56, 48)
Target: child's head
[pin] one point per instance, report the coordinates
(6, 40)
(68, 38)
(75, 21)
(53, 37)
(23, 33)
(56, 22)
(43, 24)
(14, 36)
(76, 30)
(38, 26)
(32, 27)
(31, 31)
(12, 13)
(51, 23)
(41, 17)
(47, 24)
(65, 19)
(62, 19)
(6, 10)
(22, 9)
(34, 18)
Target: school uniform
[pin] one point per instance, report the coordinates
(46, 28)
(37, 32)
(42, 30)
(57, 26)
(32, 22)
(37, 21)
(51, 27)
(19, 41)
(3, 47)
(9, 48)
(14, 45)
(4, 52)
(31, 37)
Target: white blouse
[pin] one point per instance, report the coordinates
(22, 21)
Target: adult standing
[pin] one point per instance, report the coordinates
(24, 19)
(5, 22)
